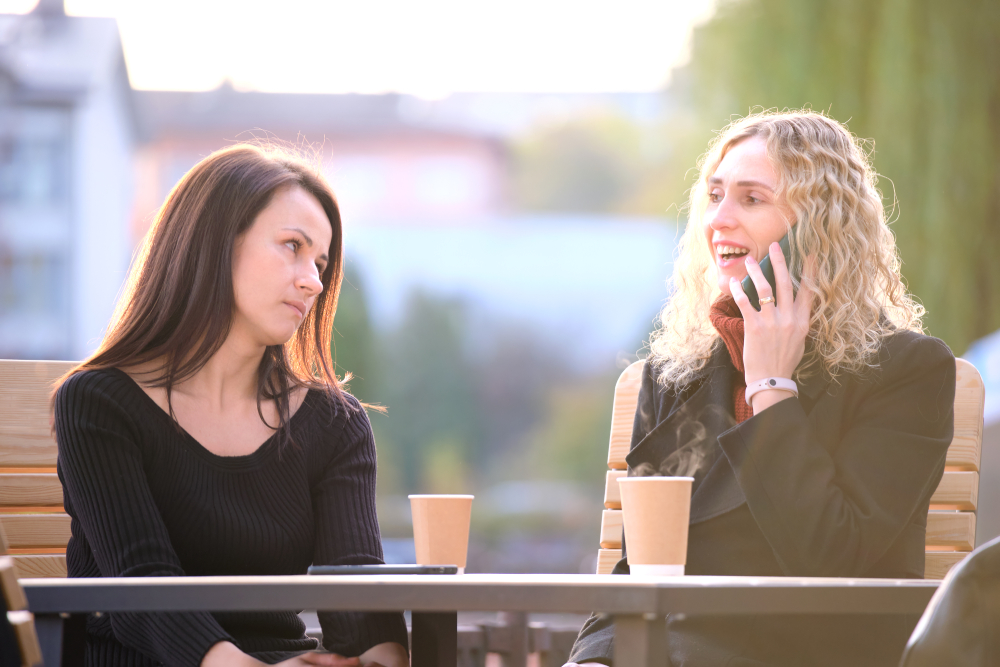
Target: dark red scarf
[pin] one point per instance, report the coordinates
(728, 321)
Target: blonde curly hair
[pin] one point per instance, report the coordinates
(827, 180)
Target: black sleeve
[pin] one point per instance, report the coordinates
(101, 468)
(836, 513)
(347, 533)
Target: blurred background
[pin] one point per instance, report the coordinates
(512, 177)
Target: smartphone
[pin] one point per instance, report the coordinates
(765, 266)
(383, 569)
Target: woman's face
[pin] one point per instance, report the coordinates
(277, 265)
(744, 216)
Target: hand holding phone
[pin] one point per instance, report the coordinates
(765, 266)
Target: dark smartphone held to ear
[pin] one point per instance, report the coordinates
(765, 266)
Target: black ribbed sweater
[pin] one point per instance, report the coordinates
(146, 499)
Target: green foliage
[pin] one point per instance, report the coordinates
(428, 386)
(353, 337)
(570, 442)
(922, 79)
(585, 164)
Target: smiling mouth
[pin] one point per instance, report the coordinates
(296, 309)
(727, 253)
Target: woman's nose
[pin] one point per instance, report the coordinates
(724, 215)
(309, 281)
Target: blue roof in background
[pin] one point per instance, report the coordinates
(984, 354)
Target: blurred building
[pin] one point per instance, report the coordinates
(385, 166)
(66, 152)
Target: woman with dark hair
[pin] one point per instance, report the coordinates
(208, 434)
(824, 416)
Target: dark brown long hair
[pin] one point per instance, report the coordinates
(178, 302)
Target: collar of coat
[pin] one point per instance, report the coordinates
(696, 418)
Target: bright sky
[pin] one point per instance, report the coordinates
(426, 47)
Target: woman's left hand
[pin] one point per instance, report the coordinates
(774, 338)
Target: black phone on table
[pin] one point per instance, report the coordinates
(382, 569)
(765, 266)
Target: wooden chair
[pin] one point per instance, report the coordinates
(31, 499)
(20, 620)
(951, 522)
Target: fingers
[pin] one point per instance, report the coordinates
(741, 299)
(759, 281)
(781, 276)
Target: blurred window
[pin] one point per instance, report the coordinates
(34, 155)
(35, 231)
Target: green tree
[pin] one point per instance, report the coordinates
(428, 386)
(586, 165)
(353, 337)
(920, 78)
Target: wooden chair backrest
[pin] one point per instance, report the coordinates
(951, 522)
(31, 499)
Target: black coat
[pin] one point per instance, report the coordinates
(836, 483)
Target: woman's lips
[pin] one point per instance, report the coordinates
(300, 310)
(733, 261)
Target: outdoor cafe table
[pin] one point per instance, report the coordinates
(637, 603)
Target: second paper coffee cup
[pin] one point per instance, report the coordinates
(655, 514)
(441, 529)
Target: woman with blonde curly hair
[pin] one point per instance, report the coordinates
(823, 417)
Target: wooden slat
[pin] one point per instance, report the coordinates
(611, 529)
(937, 563)
(29, 531)
(612, 492)
(607, 559)
(12, 591)
(623, 414)
(964, 452)
(23, 624)
(958, 490)
(44, 566)
(30, 489)
(25, 433)
(951, 531)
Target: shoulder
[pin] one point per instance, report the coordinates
(912, 369)
(342, 416)
(92, 408)
(907, 354)
(910, 344)
(103, 385)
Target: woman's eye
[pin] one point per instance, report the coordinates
(293, 245)
(714, 197)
